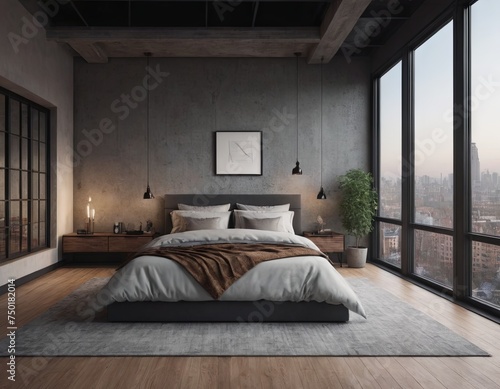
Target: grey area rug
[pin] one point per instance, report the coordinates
(393, 328)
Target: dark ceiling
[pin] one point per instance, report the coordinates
(372, 23)
(125, 13)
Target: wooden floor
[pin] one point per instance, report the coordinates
(259, 372)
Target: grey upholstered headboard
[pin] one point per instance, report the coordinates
(171, 201)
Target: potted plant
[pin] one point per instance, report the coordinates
(357, 209)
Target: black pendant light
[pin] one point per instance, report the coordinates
(297, 170)
(148, 194)
(321, 195)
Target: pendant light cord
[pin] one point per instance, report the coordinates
(148, 194)
(147, 113)
(321, 123)
(297, 54)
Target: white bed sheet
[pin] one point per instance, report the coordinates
(307, 278)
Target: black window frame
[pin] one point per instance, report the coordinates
(27, 243)
(462, 234)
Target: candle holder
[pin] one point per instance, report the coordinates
(89, 226)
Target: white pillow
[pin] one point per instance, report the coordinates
(180, 224)
(285, 225)
(268, 208)
(207, 208)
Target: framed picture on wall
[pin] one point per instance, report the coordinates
(238, 153)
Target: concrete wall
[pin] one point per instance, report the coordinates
(197, 98)
(42, 72)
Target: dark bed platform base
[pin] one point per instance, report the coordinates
(227, 311)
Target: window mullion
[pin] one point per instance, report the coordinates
(20, 178)
(375, 236)
(407, 164)
(7, 177)
(462, 248)
(30, 199)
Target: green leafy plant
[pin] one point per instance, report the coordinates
(358, 204)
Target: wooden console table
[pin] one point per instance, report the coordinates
(101, 246)
(331, 242)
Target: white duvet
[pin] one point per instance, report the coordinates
(307, 278)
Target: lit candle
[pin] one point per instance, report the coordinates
(88, 207)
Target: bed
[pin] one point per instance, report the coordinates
(304, 287)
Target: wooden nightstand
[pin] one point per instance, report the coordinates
(101, 246)
(331, 242)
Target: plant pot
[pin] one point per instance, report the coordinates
(356, 256)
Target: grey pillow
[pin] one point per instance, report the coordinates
(179, 223)
(285, 225)
(268, 224)
(209, 223)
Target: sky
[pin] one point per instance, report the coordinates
(434, 99)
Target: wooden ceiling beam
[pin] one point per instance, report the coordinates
(95, 45)
(199, 49)
(91, 52)
(65, 34)
(339, 21)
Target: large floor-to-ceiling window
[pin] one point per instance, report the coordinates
(390, 116)
(485, 150)
(432, 157)
(24, 176)
(437, 154)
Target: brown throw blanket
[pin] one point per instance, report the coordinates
(217, 266)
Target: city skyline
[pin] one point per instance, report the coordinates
(476, 170)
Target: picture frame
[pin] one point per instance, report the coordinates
(238, 153)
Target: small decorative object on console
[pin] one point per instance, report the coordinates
(139, 232)
(321, 223)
